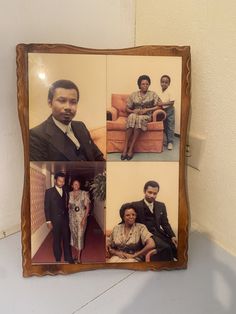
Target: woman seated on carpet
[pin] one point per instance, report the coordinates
(79, 205)
(140, 106)
(129, 241)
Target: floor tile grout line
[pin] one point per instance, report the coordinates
(102, 293)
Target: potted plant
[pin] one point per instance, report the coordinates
(98, 187)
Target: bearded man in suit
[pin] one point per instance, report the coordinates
(153, 214)
(56, 214)
(59, 138)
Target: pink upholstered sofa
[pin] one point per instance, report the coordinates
(149, 141)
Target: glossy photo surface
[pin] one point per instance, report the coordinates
(104, 134)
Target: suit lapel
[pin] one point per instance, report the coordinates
(156, 211)
(83, 136)
(57, 193)
(158, 214)
(59, 141)
(62, 200)
(142, 213)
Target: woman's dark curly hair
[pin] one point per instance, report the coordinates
(123, 209)
(142, 78)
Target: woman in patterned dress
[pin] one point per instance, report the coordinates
(79, 206)
(129, 241)
(140, 106)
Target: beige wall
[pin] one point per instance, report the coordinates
(123, 72)
(88, 72)
(93, 24)
(209, 28)
(125, 182)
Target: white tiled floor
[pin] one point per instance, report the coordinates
(207, 286)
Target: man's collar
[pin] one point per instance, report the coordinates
(59, 190)
(61, 125)
(149, 205)
(57, 187)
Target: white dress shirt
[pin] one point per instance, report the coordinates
(166, 96)
(59, 190)
(149, 205)
(67, 129)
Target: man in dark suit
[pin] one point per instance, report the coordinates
(59, 138)
(56, 214)
(153, 214)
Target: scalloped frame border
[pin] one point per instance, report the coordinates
(22, 51)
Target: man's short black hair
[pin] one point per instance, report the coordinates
(61, 84)
(59, 174)
(123, 209)
(167, 76)
(142, 78)
(151, 183)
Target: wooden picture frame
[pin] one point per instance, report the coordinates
(104, 77)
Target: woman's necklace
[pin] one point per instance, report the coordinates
(142, 95)
(75, 195)
(127, 230)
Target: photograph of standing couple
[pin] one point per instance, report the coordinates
(67, 212)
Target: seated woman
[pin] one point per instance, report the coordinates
(129, 241)
(140, 106)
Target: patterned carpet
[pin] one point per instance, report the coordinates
(94, 249)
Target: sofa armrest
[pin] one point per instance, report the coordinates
(149, 254)
(112, 113)
(98, 135)
(158, 115)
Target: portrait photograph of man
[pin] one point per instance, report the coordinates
(59, 129)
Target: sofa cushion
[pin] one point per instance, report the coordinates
(119, 101)
(118, 125)
(155, 126)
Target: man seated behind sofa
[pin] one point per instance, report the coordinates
(153, 215)
(59, 138)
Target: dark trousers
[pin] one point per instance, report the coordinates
(61, 235)
(166, 250)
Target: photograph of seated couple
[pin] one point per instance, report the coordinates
(142, 122)
(144, 233)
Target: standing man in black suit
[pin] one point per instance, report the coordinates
(56, 213)
(153, 214)
(59, 138)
